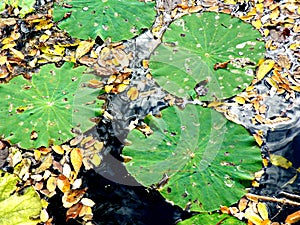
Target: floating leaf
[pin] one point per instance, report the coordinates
(208, 159)
(49, 106)
(76, 159)
(17, 208)
(215, 47)
(293, 218)
(119, 20)
(278, 160)
(264, 68)
(210, 219)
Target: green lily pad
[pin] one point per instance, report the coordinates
(209, 160)
(15, 208)
(117, 19)
(195, 44)
(214, 218)
(27, 6)
(43, 111)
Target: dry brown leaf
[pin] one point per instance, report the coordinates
(74, 211)
(63, 183)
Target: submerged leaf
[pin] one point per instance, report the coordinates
(215, 47)
(119, 20)
(48, 106)
(207, 159)
(17, 208)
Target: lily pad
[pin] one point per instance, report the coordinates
(43, 111)
(214, 218)
(117, 19)
(209, 160)
(196, 47)
(17, 208)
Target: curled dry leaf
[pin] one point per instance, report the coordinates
(72, 197)
(63, 183)
(74, 211)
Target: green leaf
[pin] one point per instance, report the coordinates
(209, 160)
(117, 19)
(193, 46)
(27, 6)
(16, 209)
(50, 105)
(214, 218)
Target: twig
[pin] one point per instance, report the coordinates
(270, 199)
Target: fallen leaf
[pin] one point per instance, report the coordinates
(278, 160)
(264, 68)
(76, 159)
(83, 48)
(293, 218)
(133, 93)
(73, 212)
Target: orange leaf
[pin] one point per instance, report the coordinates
(293, 218)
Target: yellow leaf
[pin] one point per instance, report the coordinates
(3, 60)
(7, 46)
(295, 88)
(51, 184)
(76, 159)
(133, 93)
(263, 210)
(83, 48)
(258, 139)
(46, 163)
(232, 2)
(278, 160)
(58, 50)
(58, 149)
(264, 68)
(44, 216)
(275, 13)
(108, 88)
(272, 82)
(257, 24)
(259, 8)
(121, 88)
(96, 160)
(252, 216)
(240, 100)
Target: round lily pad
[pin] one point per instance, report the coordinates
(117, 19)
(194, 157)
(208, 55)
(43, 111)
